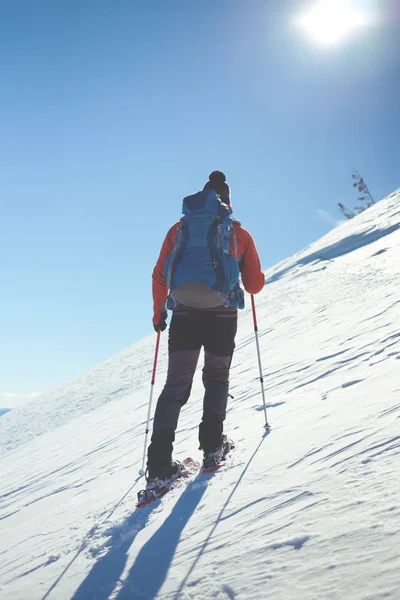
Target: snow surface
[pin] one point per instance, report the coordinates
(11, 400)
(310, 511)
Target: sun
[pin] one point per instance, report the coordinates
(328, 22)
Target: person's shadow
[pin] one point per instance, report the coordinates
(150, 568)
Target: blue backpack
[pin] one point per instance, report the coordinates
(200, 272)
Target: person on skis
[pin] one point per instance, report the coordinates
(196, 276)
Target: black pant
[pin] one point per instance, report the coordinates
(190, 330)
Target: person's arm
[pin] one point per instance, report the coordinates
(160, 289)
(253, 277)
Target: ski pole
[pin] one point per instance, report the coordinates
(153, 379)
(253, 306)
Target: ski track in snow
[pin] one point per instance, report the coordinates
(309, 511)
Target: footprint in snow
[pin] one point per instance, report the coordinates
(229, 591)
(350, 383)
(270, 405)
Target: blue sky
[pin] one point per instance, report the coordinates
(112, 111)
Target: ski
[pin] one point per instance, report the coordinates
(146, 496)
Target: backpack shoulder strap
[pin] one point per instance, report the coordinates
(234, 238)
(175, 250)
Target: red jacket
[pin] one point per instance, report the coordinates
(252, 276)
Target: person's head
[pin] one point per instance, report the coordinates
(217, 182)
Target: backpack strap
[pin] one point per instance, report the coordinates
(173, 257)
(234, 238)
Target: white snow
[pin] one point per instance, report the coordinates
(310, 511)
(12, 400)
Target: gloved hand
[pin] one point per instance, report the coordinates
(160, 321)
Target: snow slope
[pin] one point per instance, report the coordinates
(310, 511)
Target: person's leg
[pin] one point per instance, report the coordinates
(219, 344)
(184, 348)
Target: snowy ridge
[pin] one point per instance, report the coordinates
(380, 220)
(110, 380)
(311, 511)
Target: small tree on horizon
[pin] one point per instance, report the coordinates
(359, 183)
(345, 211)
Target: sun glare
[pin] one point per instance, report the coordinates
(328, 22)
